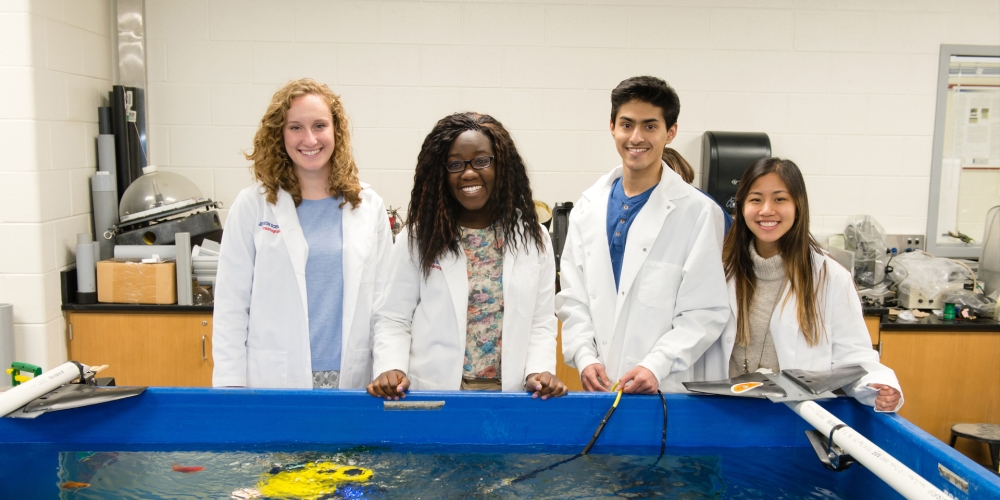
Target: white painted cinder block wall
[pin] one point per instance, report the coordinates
(55, 69)
(845, 88)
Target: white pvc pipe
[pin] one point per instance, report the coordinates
(16, 397)
(888, 469)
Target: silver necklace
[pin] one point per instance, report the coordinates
(763, 345)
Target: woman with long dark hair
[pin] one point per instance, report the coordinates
(793, 306)
(470, 294)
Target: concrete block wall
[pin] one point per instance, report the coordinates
(845, 88)
(55, 69)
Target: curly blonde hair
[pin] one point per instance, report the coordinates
(272, 166)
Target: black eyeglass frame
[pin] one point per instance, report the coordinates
(466, 163)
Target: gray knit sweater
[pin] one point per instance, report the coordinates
(760, 352)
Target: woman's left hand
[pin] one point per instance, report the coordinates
(545, 385)
(887, 399)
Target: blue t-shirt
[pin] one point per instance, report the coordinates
(322, 225)
(622, 211)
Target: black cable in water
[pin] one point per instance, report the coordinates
(663, 439)
(600, 428)
(574, 457)
(593, 440)
(543, 469)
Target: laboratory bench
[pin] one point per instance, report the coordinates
(152, 345)
(949, 371)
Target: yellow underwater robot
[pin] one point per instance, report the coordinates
(312, 480)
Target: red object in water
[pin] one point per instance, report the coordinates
(188, 469)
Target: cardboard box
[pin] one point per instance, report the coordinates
(129, 281)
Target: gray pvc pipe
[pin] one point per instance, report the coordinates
(182, 242)
(106, 154)
(86, 266)
(105, 197)
(145, 251)
(6, 341)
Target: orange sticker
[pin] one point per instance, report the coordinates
(744, 387)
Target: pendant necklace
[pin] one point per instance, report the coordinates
(763, 346)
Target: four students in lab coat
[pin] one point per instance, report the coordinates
(464, 298)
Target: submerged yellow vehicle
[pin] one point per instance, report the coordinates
(312, 480)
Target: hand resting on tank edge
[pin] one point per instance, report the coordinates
(391, 385)
(544, 385)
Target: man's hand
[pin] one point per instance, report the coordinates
(887, 399)
(544, 385)
(390, 385)
(594, 378)
(639, 380)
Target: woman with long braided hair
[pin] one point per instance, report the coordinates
(469, 299)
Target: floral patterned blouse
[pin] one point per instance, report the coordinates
(484, 262)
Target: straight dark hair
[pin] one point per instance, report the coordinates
(432, 218)
(795, 247)
(649, 89)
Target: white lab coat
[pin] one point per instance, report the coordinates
(846, 342)
(421, 326)
(672, 300)
(261, 320)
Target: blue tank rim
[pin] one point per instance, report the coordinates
(271, 417)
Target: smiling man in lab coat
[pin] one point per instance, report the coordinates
(643, 289)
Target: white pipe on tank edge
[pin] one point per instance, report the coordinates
(898, 476)
(16, 397)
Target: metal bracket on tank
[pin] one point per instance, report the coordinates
(794, 391)
(412, 405)
(802, 385)
(829, 454)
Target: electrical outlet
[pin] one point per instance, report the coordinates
(903, 243)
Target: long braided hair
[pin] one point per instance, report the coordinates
(432, 218)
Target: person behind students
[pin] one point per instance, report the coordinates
(643, 292)
(793, 307)
(678, 164)
(469, 298)
(304, 254)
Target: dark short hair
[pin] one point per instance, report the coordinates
(647, 89)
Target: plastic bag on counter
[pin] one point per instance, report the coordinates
(864, 236)
(926, 274)
(979, 304)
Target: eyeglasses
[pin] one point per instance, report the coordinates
(478, 163)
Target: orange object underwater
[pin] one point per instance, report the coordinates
(188, 469)
(73, 485)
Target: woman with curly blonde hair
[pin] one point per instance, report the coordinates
(304, 254)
